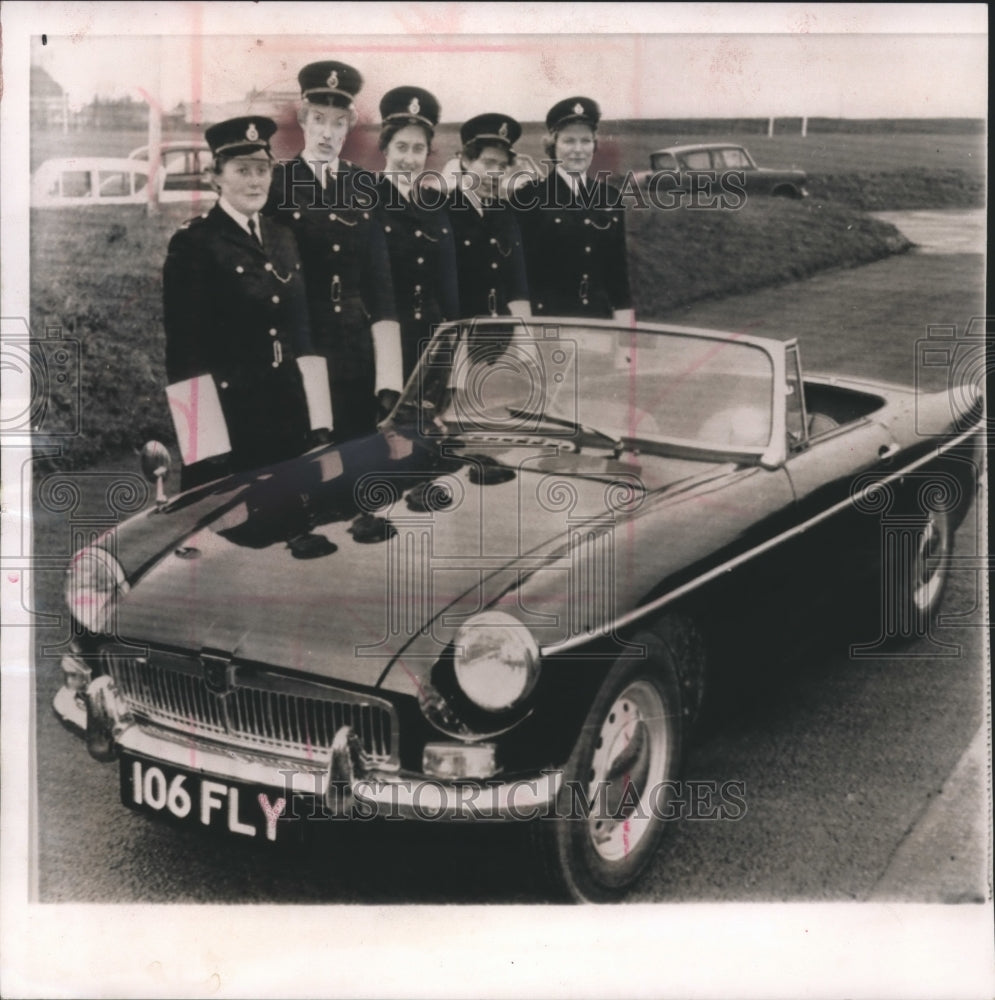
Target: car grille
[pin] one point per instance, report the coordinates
(258, 710)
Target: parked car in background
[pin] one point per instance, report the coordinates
(104, 180)
(96, 180)
(703, 165)
(505, 604)
(185, 163)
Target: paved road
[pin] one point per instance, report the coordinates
(942, 231)
(843, 760)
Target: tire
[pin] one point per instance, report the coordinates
(623, 767)
(786, 191)
(920, 571)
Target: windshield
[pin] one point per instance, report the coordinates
(515, 377)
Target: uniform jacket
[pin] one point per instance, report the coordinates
(344, 253)
(575, 248)
(490, 257)
(423, 265)
(237, 311)
(347, 274)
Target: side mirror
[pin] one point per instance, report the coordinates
(156, 462)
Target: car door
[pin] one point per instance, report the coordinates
(735, 158)
(832, 468)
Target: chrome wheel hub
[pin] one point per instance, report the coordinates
(629, 763)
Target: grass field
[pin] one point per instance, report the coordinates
(96, 272)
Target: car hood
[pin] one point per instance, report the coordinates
(333, 563)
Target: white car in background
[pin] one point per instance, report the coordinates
(104, 180)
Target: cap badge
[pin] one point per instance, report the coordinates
(333, 79)
(578, 108)
(414, 107)
(503, 130)
(252, 133)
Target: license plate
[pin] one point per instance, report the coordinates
(199, 800)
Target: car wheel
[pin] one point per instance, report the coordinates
(786, 191)
(617, 785)
(920, 571)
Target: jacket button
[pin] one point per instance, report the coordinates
(466, 243)
(338, 309)
(417, 232)
(417, 288)
(336, 248)
(267, 266)
(224, 385)
(493, 242)
(239, 269)
(386, 229)
(421, 260)
(333, 217)
(445, 232)
(297, 215)
(366, 215)
(587, 249)
(556, 220)
(494, 264)
(276, 299)
(276, 364)
(272, 331)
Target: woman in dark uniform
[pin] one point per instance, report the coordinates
(574, 226)
(418, 231)
(328, 204)
(235, 310)
(489, 253)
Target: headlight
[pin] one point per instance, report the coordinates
(93, 581)
(496, 660)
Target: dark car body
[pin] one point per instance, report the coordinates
(490, 608)
(185, 164)
(703, 167)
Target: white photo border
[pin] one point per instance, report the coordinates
(687, 950)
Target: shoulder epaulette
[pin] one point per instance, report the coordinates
(197, 220)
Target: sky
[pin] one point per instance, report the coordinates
(690, 60)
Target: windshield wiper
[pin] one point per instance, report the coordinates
(616, 444)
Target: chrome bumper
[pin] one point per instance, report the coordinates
(349, 782)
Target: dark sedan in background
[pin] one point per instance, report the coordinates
(701, 167)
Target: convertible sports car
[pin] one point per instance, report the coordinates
(502, 605)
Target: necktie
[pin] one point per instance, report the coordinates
(255, 232)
